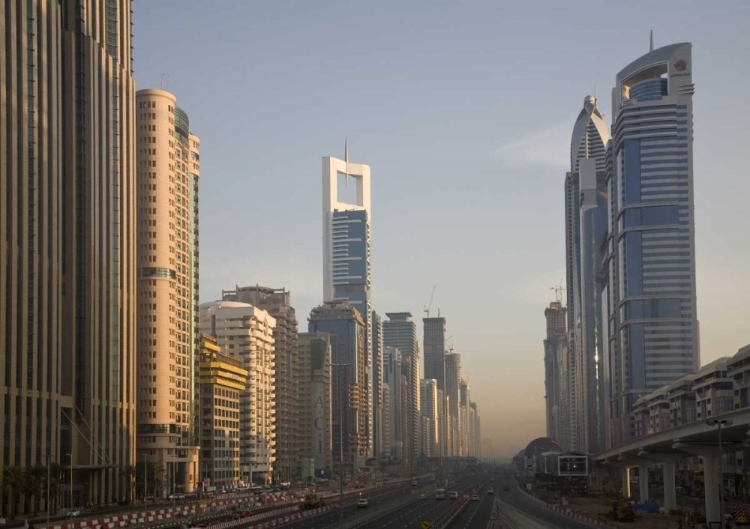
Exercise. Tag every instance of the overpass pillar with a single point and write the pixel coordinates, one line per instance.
(711, 484)
(670, 495)
(626, 482)
(643, 482)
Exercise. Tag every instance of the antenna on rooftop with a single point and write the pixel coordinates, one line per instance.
(651, 42)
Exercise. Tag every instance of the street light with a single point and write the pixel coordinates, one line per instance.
(720, 423)
(341, 447)
(71, 480)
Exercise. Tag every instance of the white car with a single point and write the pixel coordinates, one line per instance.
(362, 503)
(454, 495)
(490, 491)
(475, 497)
(74, 514)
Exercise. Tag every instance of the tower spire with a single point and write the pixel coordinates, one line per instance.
(651, 42)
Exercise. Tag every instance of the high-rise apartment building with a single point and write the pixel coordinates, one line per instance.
(67, 261)
(346, 255)
(429, 411)
(349, 372)
(555, 386)
(652, 337)
(463, 416)
(289, 400)
(167, 168)
(314, 354)
(586, 223)
(222, 379)
(377, 383)
(452, 382)
(400, 331)
(393, 382)
(246, 332)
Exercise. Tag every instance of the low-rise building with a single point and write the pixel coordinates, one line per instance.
(222, 379)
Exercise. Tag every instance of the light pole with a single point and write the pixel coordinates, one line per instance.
(720, 423)
(71, 480)
(341, 443)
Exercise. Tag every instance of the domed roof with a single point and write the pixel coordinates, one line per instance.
(541, 445)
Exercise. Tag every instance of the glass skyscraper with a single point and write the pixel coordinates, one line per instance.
(652, 332)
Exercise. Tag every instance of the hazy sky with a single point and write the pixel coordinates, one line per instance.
(464, 112)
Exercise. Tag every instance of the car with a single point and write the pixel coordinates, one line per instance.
(74, 513)
(415, 484)
(475, 497)
(506, 488)
(492, 480)
(454, 495)
(490, 491)
(363, 503)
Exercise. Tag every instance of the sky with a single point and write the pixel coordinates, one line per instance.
(464, 112)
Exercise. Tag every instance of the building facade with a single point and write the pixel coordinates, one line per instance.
(377, 384)
(168, 168)
(222, 379)
(400, 331)
(289, 400)
(349, 371)
(62, 394)
(429, 411)
(555, 388)
(393, 382)
(347, 256)
(652, 336)
(452, 383)
(246, 333)
(434, 350)
(585, 226)
(314, 354)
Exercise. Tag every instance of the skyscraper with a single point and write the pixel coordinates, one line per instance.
(168, 168)
(68, 254)
(349, 370)
(585, 225)
(377, 383)
(277, 302)
(651, 292)
(399, 331)
(429, 411)
(393, 382)
(555, 347)
(434, 349)
(346, 255)
(314, 357)
(246, 332)
(452, 381)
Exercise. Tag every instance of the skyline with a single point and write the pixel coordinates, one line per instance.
(481, 203)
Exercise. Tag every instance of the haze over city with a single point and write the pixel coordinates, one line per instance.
(464, 115)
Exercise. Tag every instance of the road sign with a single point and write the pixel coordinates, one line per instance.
(426, 525)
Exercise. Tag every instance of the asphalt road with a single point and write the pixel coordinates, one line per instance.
(476, 515)
(376, 500)
(411, 515)
(525, 513)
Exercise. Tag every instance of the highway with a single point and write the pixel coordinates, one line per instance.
(476, 514)
(411, 515)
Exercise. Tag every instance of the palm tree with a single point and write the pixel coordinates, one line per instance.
(130, 473)
(33, 485)
(13, 478)
(54, 486)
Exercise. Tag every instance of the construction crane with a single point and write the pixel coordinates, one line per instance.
(449, 343)
(558, 291)
(427, 308)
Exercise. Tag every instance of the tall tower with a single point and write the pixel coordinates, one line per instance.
(555, 389)
(429, 411)
(400, 331)
(168, 169)
(434, 349)
(346, 253)
(652, 245)
(585, 228)
(452, 393)
(349, 373)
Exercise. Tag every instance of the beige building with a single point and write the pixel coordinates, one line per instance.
(246, 332)
(289, 437)
(168, 168)
(67, 255)
(314, 357)
(222, 379)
